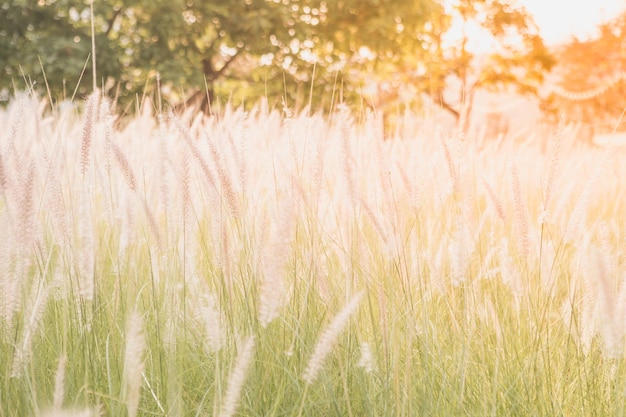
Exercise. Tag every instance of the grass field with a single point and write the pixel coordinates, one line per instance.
(257, 264)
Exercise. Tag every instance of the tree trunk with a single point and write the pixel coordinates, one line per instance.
(204, 99)
(200, 100)
(465, 116)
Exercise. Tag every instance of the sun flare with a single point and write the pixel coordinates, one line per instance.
(559, 20)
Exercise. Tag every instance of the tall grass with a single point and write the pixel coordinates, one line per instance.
(252, 263)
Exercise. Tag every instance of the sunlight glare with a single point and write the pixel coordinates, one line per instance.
(559, 20)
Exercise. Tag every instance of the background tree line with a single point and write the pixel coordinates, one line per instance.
(248, 49)
(590, 80)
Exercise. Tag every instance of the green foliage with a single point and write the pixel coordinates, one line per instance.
(272, 47)
(56, 39)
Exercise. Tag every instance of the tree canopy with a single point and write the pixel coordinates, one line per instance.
(590, 78)
(471, 45)
(268, 47)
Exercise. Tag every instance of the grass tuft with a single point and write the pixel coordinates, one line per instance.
(190, 265)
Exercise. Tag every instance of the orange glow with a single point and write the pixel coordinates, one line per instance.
(559, 20)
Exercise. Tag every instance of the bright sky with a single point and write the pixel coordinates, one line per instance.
(558, 20)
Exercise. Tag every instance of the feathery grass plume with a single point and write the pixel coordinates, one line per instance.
(59, 385)
(579, 214)
(36, 306)
(555, 154)
(88, 125)
(584, 292)
(133, 362)
(185, 185)
(521, 212)
(621, 305)
(106, 115)
(606, 248)
(409, 186)
(226, 183)
(207, 313)
(460, 252)
(26, 210)
(212, 317)
(384, 174)
(195, 152)
(152, 223)
(366, 361)
(55, 200)
(548, 266)
(611, 322)
(452, 168)
(236, 379)
(317, 168)
(86, 260)
(577, 217)
(510, 274)
(11, 266)
(237, 154)
(125, 166)
(274, 259)
(347, 153)
(321, 274)
(15, 128)
(436, 269)
(328, 338)
(377, 225)
(302, 193)
(166, 183)
(187, 249)
(225, 259)
(4, 180)
(291, 141)
(127, 218)
(104, 189)
(272, 294)
(242, 159)
(494, 200)
(10, 295)
(288, 113)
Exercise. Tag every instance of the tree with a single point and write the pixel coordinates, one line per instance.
(350, 41)
(589, 78)
(276, 46)
(187, 42)
(446, 69)
(193, 44)
(197, 43)
(370, 41)
(37, 37)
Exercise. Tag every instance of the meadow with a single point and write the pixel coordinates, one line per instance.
(263, 263)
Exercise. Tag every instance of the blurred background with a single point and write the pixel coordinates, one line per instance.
(494, 65)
